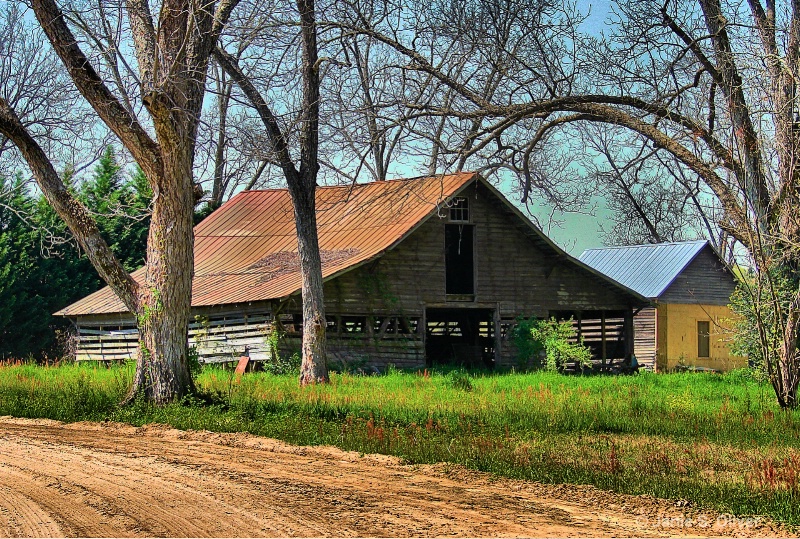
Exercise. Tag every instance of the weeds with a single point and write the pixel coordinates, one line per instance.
(718, 441)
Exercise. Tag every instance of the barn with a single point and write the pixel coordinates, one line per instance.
(417, 272)
(690, 287)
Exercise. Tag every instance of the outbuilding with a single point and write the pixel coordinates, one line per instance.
(690, 287)
(417, 272)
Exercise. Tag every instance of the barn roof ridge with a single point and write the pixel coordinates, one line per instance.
(365, 184)
(645, 245)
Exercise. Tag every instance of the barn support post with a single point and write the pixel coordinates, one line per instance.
(629, 335)
(497, 336)
(423, 331)
(603, 352)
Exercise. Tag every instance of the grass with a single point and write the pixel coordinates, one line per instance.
(718, 441)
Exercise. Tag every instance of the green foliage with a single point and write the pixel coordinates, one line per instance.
(661, 435)
(459, 379)
(761, 303)
(549, 344)
(120, 205)
(39, 273)
(280, 363)
(284, 364)
(41, 268)
(193, 358)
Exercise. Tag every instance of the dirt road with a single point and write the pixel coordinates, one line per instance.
(88, 479)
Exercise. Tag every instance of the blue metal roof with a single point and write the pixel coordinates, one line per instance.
(647, 269)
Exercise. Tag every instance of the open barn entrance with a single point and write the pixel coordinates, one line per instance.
(459, 337)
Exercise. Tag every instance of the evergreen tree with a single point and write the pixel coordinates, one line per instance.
(41, 268)
(38, 275)
(121, 207)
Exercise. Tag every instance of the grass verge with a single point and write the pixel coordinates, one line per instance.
(718, 441)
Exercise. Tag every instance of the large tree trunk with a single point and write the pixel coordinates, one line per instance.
(302, 188)
(162, 372)
(314, 368)
(172, 60)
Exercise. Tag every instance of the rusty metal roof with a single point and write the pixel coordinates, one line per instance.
(247, 249)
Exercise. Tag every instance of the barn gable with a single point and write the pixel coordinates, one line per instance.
(705, 280)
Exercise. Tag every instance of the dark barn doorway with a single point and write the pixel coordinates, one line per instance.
(462, 337)
(459, 259)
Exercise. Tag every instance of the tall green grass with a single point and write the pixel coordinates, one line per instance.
(716, 440)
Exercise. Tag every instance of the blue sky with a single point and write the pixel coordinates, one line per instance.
(576, 232)
(599, 11)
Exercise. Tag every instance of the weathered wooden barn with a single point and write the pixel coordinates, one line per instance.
(417, 272)
(690, 287)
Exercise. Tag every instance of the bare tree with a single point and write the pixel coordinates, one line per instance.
(301, 180)
(172, 52)
(710, 83)
(652, 198)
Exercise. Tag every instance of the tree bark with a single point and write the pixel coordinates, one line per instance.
(162, 372)
(314, 368)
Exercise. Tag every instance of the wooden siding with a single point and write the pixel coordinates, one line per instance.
(511, 271)
(217, 339)
(513, 274)
(705, 281)
(366, 353)
(644, 331)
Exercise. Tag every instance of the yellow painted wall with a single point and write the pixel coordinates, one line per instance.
(676, 332)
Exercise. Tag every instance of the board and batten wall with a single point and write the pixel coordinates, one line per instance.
(515, 275)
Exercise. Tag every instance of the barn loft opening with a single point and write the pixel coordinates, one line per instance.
(459, 242)
(462, 337)
(459, 210)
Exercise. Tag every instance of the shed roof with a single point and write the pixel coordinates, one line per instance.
(247, 250)
(647, 269)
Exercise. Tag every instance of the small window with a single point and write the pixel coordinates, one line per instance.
(459, 210)
(703, 338)
(333, 324)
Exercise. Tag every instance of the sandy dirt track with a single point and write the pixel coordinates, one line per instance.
(89, 479)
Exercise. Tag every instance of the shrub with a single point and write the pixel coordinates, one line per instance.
(459, 379)
(549, 344)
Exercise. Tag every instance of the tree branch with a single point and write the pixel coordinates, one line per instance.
(144, 40)
(70, 210)
(277, 139)
(94, 90)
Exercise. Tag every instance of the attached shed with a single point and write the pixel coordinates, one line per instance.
(417, 272)
(690, 287)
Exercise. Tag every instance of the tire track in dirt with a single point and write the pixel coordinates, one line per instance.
(89, 479)
(21, 516)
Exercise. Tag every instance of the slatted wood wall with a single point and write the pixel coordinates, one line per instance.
(644, 331)
(217, 339)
